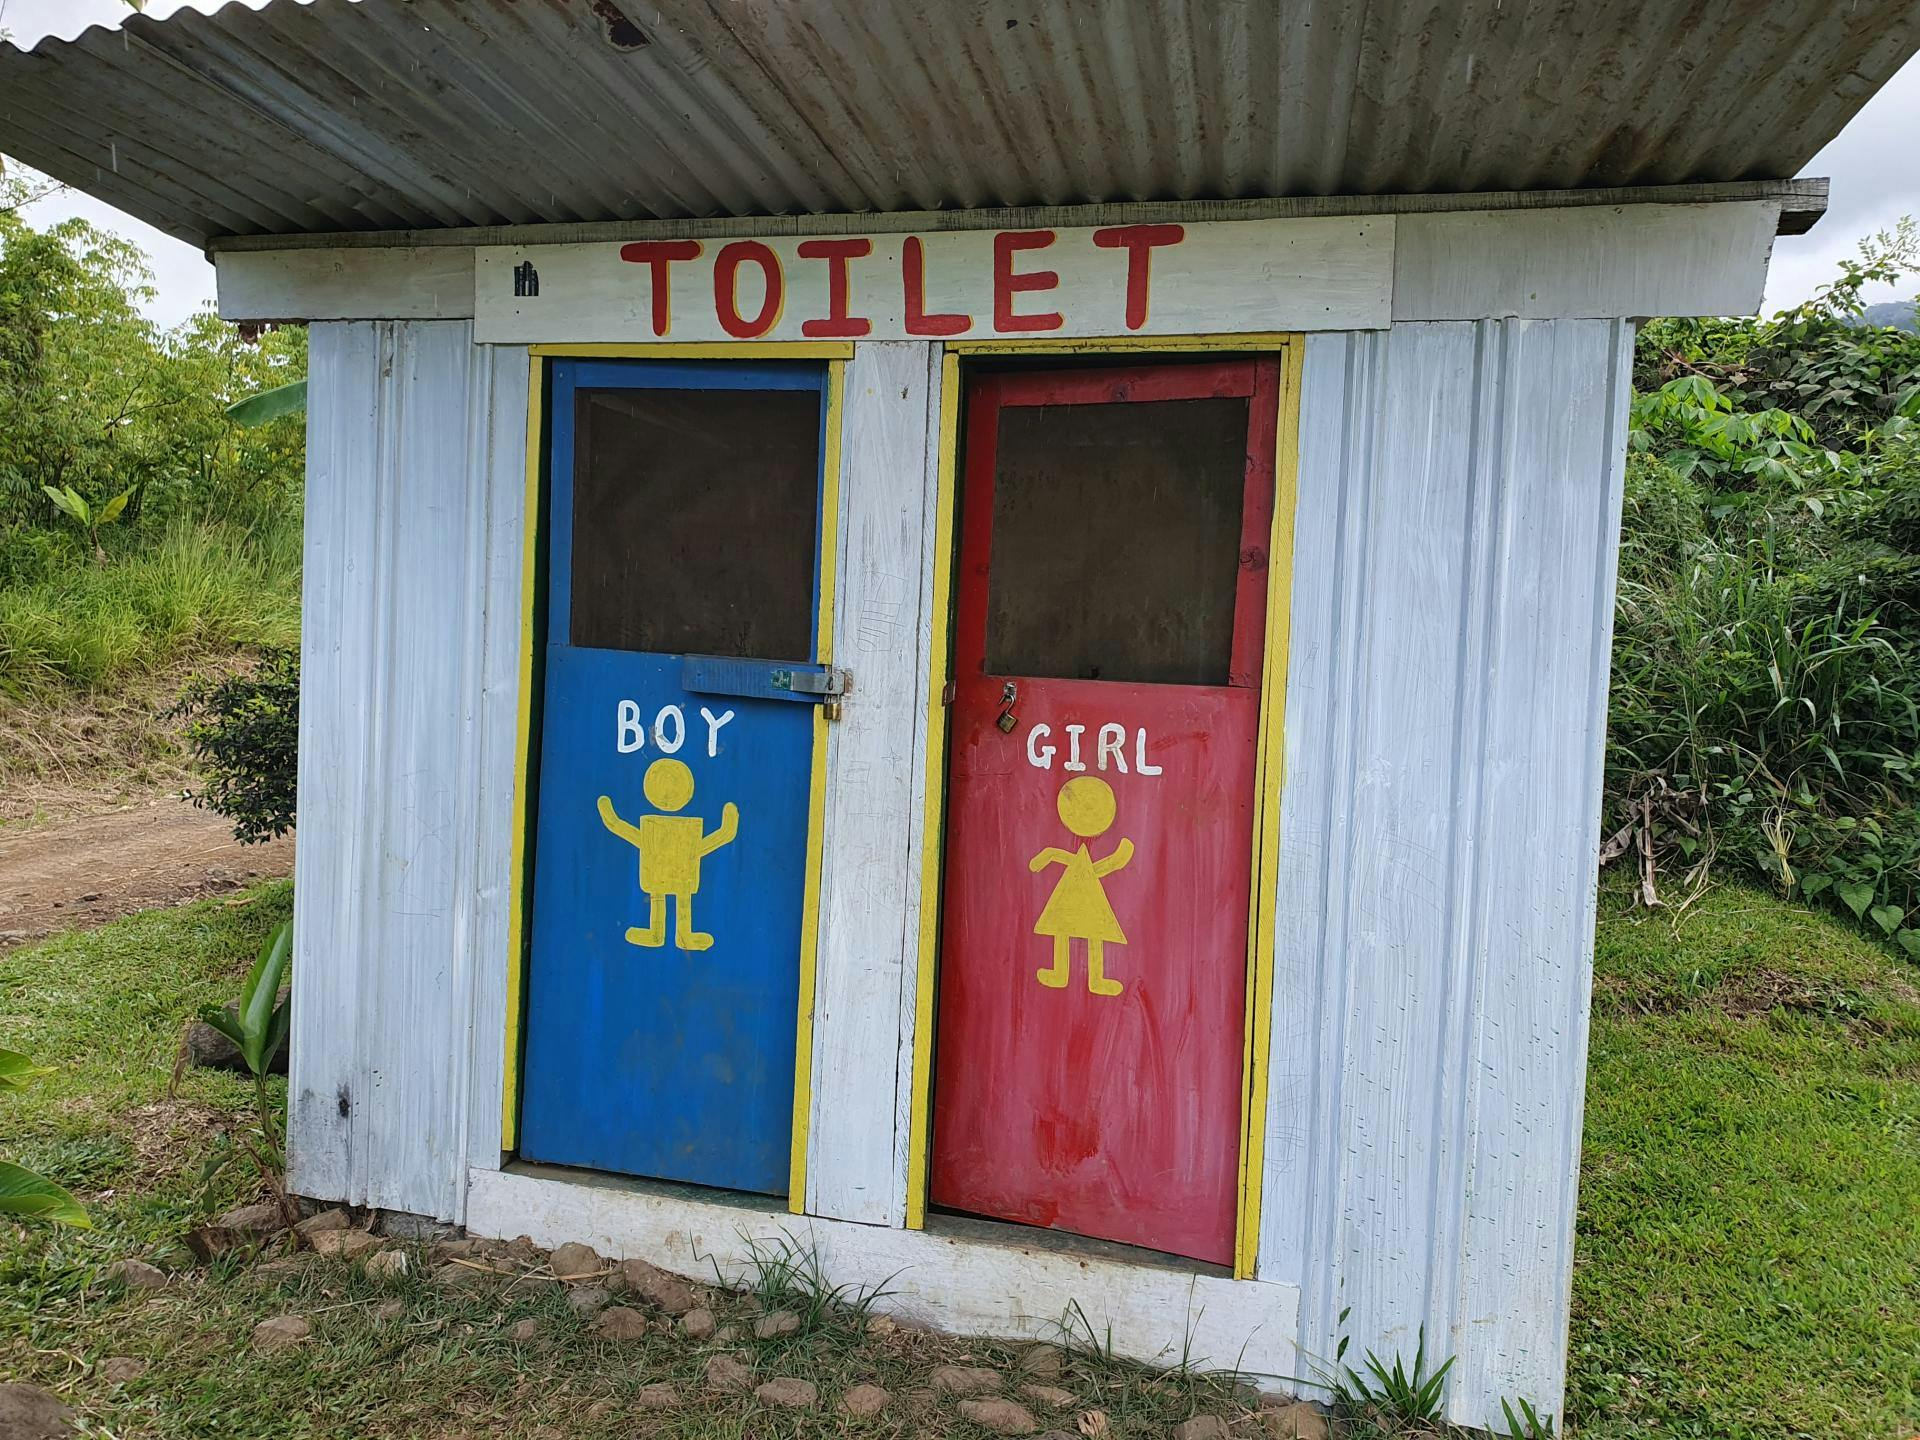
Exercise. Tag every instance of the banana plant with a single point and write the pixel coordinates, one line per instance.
(72, 503)
(258, 1024)
(269, 405)
(21, 1191)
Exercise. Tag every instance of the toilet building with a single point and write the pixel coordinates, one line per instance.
(976, 636)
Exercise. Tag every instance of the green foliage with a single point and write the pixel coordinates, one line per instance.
(1766, 653)
(244, 732)
(21, 1191)
(258, 1024)
(1527, 1423)
(269, 405)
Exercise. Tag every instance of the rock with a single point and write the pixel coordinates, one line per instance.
(1051, 1396)
(963, 1380)
(667, 1292)
(262, 1219)
(1201, 1427)
(657, 1397)
(343, 1244)
(697, 1324)
(29, 1413)
(210, 1050)
(1003, 1417)
(726, 1335)
(726, 1373)
(121, 1370)
(455, 1276)
(281, 1332)
(400, 1225)
(620, 1322)
(776, 1325)
(865, 1400)
(1043, 1362)
(1298, 1421)
(524, 1332)
(388, 1310)
(135, 1275)
(388, 1265)
(587, 1301)
(334, 1219)
(458, 1248)
(576, 1264)
(882, 1325)
(788, 1394)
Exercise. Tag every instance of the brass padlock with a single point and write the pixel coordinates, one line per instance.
(1008, 719)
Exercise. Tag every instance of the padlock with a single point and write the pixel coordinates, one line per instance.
(1008, 719)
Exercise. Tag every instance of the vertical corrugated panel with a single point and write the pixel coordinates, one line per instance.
(1459, 497)
(399, 889)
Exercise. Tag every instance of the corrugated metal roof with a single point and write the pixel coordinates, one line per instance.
(416, 114)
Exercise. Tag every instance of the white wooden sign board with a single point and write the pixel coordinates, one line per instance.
(1210, 277)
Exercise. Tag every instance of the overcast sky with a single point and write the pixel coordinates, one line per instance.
(1874, 165)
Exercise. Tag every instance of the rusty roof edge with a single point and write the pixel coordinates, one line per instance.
(1802, 202)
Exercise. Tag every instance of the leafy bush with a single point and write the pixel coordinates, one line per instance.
(1766, 651)
(245, 731)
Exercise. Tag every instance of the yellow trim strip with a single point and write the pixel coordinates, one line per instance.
(933, 819)
(1107, 345)
(816, 795)
(1269, 767)
(705, 350)
(522, 760)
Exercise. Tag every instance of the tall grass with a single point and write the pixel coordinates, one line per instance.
(203, 587)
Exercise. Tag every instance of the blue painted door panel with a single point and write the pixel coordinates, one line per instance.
(669, 886)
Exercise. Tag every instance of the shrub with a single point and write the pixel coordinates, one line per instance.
(245, 731)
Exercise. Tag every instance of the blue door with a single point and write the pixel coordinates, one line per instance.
(678, 741)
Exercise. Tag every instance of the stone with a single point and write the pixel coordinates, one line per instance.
(29, 1413)
(776, 1325)
(666, 1292)
(210, 1050)
(343, 1244)
(388, 1265)
(1043, 1362)
(882, 1325)
(726, 1373)
(1002, 1417)
(657, 1397)
(281, 1332)
(1051, 1396)
(455, 1276)
(620, 1322)
(963, 1379)
(726, 1335)
(122, 1369)
(524, 1332)
(400, 1225)
(334, 1219)
(136, 1275)
(697, 1324)
(455, 1249)
(389, 1310)
(864, 1400)
(576, 1264)
(1298, 1421)
(1201, 1427)
(788, 1394)
(587, 1301)
(261, 1219)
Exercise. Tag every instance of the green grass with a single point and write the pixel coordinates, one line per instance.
(199, 589)
(1749, 1256)
(1749, 1244)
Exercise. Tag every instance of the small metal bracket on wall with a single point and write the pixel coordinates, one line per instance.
(823, 685)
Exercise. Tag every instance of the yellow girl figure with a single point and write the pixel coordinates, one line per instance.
(1078, 908)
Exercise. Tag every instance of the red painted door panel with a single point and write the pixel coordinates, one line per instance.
(1093, 960)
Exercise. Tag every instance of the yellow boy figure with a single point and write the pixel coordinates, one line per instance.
(1078, 908)
(671, 847)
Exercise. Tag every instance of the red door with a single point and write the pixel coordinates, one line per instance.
(1093, 965)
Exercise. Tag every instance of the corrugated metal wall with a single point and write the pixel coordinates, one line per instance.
(1459, 494)
(1458, 514)
(408, 697)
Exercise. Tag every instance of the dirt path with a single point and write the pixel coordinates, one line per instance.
(75, 874)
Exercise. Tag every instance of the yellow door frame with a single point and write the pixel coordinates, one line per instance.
(1268, 763)
(836, 354)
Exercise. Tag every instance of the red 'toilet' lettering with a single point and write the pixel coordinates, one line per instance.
(913, 270)
(838, 254)
(658, 256)
(1138, 241)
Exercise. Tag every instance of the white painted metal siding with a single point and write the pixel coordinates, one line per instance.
(1459, 501)
(416, 440)
(1459, 495)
